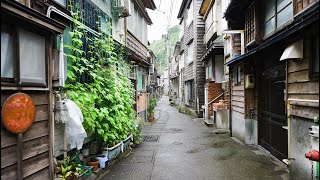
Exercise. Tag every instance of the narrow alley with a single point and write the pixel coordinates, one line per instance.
(179, 147)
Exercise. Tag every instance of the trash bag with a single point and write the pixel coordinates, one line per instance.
(74, 130)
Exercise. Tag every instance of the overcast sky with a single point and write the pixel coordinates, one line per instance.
(160, 19)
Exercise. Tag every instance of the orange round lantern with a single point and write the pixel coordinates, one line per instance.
(18, 113)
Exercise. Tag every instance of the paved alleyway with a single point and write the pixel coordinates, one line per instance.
(186, 149)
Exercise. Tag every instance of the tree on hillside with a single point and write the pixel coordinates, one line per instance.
(159, 47)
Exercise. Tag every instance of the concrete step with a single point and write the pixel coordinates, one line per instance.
(209, 122)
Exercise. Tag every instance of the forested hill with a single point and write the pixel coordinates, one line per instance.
(159, 49)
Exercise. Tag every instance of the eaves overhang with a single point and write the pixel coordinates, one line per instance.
(21, 11)
(311, 16)
(182, 7)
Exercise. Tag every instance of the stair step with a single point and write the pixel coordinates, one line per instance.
(208, 122)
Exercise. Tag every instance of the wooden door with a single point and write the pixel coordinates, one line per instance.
(272, 119)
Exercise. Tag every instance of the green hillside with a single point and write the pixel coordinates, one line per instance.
(158, 47)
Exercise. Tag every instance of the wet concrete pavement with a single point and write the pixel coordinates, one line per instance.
(179, 147)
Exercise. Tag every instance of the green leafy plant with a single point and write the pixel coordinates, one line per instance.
(68, 169)
(137, 134)
(106, 100)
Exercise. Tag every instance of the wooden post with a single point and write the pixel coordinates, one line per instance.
(19, 156)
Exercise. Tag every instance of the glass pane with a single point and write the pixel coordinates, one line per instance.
(7, 56)
(269, 26)
(285, 15)
(62, 2)
(209, 72)
(139, 82)
(32, 58)
(269, 9)
(281, 4)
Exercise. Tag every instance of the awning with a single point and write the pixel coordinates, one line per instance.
(293, 51)
(216, 46)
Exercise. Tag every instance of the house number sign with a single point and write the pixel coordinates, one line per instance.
(18, 113)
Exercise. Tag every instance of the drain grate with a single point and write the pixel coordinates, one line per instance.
(151, 138)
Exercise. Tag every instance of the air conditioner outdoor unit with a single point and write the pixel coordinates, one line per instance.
(121, 8)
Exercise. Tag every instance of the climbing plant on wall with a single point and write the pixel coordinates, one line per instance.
(107, 97)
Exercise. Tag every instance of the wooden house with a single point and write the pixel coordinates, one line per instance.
(274, 77)
(174, 73)
(213, 60)
(192, 48)
(27, 67)
(139, 55)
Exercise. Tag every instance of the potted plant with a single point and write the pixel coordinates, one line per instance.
(151, 115)
(68, 169)
(93, 161)
(137, 135)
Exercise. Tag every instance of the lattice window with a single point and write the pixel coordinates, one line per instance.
(249, 33)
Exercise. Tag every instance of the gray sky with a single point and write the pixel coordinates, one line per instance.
(160, 20)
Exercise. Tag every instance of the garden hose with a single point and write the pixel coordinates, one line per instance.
(86, 170)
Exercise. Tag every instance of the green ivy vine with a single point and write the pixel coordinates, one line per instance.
(107, 100)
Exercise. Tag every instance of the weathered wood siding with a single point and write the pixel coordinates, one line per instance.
(238, 106)
(200, 47)
(35, 142)
(300, 85)
(300, 5)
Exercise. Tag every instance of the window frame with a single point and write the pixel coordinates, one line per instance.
(16, 80)
(190, 55)
(237, 76)
(275, 16)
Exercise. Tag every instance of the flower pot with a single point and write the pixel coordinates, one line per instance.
(95, 164)
(112, 152)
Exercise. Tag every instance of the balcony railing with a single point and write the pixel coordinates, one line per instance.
(210, 32)
(137, 47)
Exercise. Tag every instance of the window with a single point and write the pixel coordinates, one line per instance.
(62, 2)
(188, 92)
(7, 54)
(314, 56)
(190, 53)
(209, 72)
(277, 13)
(237, 76)
(141, 82)
(23, 56)
(190, 14)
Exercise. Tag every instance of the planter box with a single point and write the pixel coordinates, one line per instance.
(112, 152)
(126, 143)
